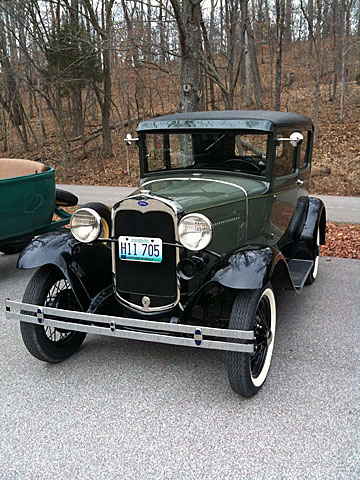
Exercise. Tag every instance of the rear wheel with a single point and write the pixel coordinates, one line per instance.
(49, 287)
(252, 310)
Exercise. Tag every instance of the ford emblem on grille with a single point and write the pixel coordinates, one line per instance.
(142, 203)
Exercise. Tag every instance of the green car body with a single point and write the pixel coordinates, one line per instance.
(223, 195)
(222, 217)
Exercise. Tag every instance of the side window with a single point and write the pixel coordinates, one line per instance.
(285, 159)
(303, 150)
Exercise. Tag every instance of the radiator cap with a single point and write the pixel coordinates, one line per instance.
(146, 302)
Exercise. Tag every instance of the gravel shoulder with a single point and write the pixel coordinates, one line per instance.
(127, 409)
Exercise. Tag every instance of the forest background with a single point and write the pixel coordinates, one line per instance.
(77, 75)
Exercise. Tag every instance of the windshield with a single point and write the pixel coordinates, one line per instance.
(238, 151)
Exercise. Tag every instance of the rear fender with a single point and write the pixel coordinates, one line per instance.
(87, 267)
(304, 246)
(253, 268)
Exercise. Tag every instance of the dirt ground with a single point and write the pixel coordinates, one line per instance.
(336, 159)
(342, 240)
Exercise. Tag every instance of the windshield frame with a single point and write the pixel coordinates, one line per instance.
(144, 171)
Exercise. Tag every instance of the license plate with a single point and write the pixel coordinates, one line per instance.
(140, 249)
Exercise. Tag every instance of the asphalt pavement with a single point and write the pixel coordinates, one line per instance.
(123, 409)
(342, 209)
(98, 193)
(338, 209)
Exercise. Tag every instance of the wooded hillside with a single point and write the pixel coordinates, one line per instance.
(77, 75)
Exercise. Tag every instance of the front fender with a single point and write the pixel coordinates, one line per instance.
(87, 267)
(253, 268)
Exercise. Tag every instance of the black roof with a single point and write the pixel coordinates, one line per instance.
(229, 119)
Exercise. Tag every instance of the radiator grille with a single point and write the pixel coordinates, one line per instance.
(137, 279)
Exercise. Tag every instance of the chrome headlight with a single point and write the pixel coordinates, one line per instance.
(195, 231)
(85, 225)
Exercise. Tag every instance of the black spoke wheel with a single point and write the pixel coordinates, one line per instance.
(252, 310)
(48, 287)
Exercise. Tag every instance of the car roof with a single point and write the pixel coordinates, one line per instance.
(263, 120)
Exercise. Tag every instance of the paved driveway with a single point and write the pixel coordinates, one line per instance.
(131, 410)
(342, 209)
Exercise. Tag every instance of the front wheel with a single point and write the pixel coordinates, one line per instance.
(49, 287)
(252, 310)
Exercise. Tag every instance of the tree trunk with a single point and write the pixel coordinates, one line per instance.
(248, 96)
(210, 60)
(134, 58)
(254, 67)
(278, 62)
(288, 22)
(311, 26)
(251, 62)
(104, 33)
(106, 107)
(342, 39)
(76, 100)
(40, 112)
(5, 130)
(77, 112)
(188, 16)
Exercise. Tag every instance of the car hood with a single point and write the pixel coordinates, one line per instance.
(201, 191)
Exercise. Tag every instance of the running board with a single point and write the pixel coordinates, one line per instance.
(132, 328)
(299, 271)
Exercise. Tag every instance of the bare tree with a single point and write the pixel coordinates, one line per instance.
(148, 50)
(252, 53)
(315, 40)
(187, 15)
(288, 21)
(104, 28)
(280, 9)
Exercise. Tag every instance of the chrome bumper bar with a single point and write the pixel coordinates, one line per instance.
(131, 328)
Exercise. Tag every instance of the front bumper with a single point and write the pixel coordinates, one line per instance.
(131, 328)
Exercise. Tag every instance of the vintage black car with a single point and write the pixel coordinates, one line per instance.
(222, 217)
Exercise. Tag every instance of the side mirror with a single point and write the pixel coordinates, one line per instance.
(128, 139)
(296, 138)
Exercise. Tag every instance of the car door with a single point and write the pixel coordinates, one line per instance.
(285, 184)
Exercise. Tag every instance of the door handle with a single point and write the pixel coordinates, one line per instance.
(299, 182)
